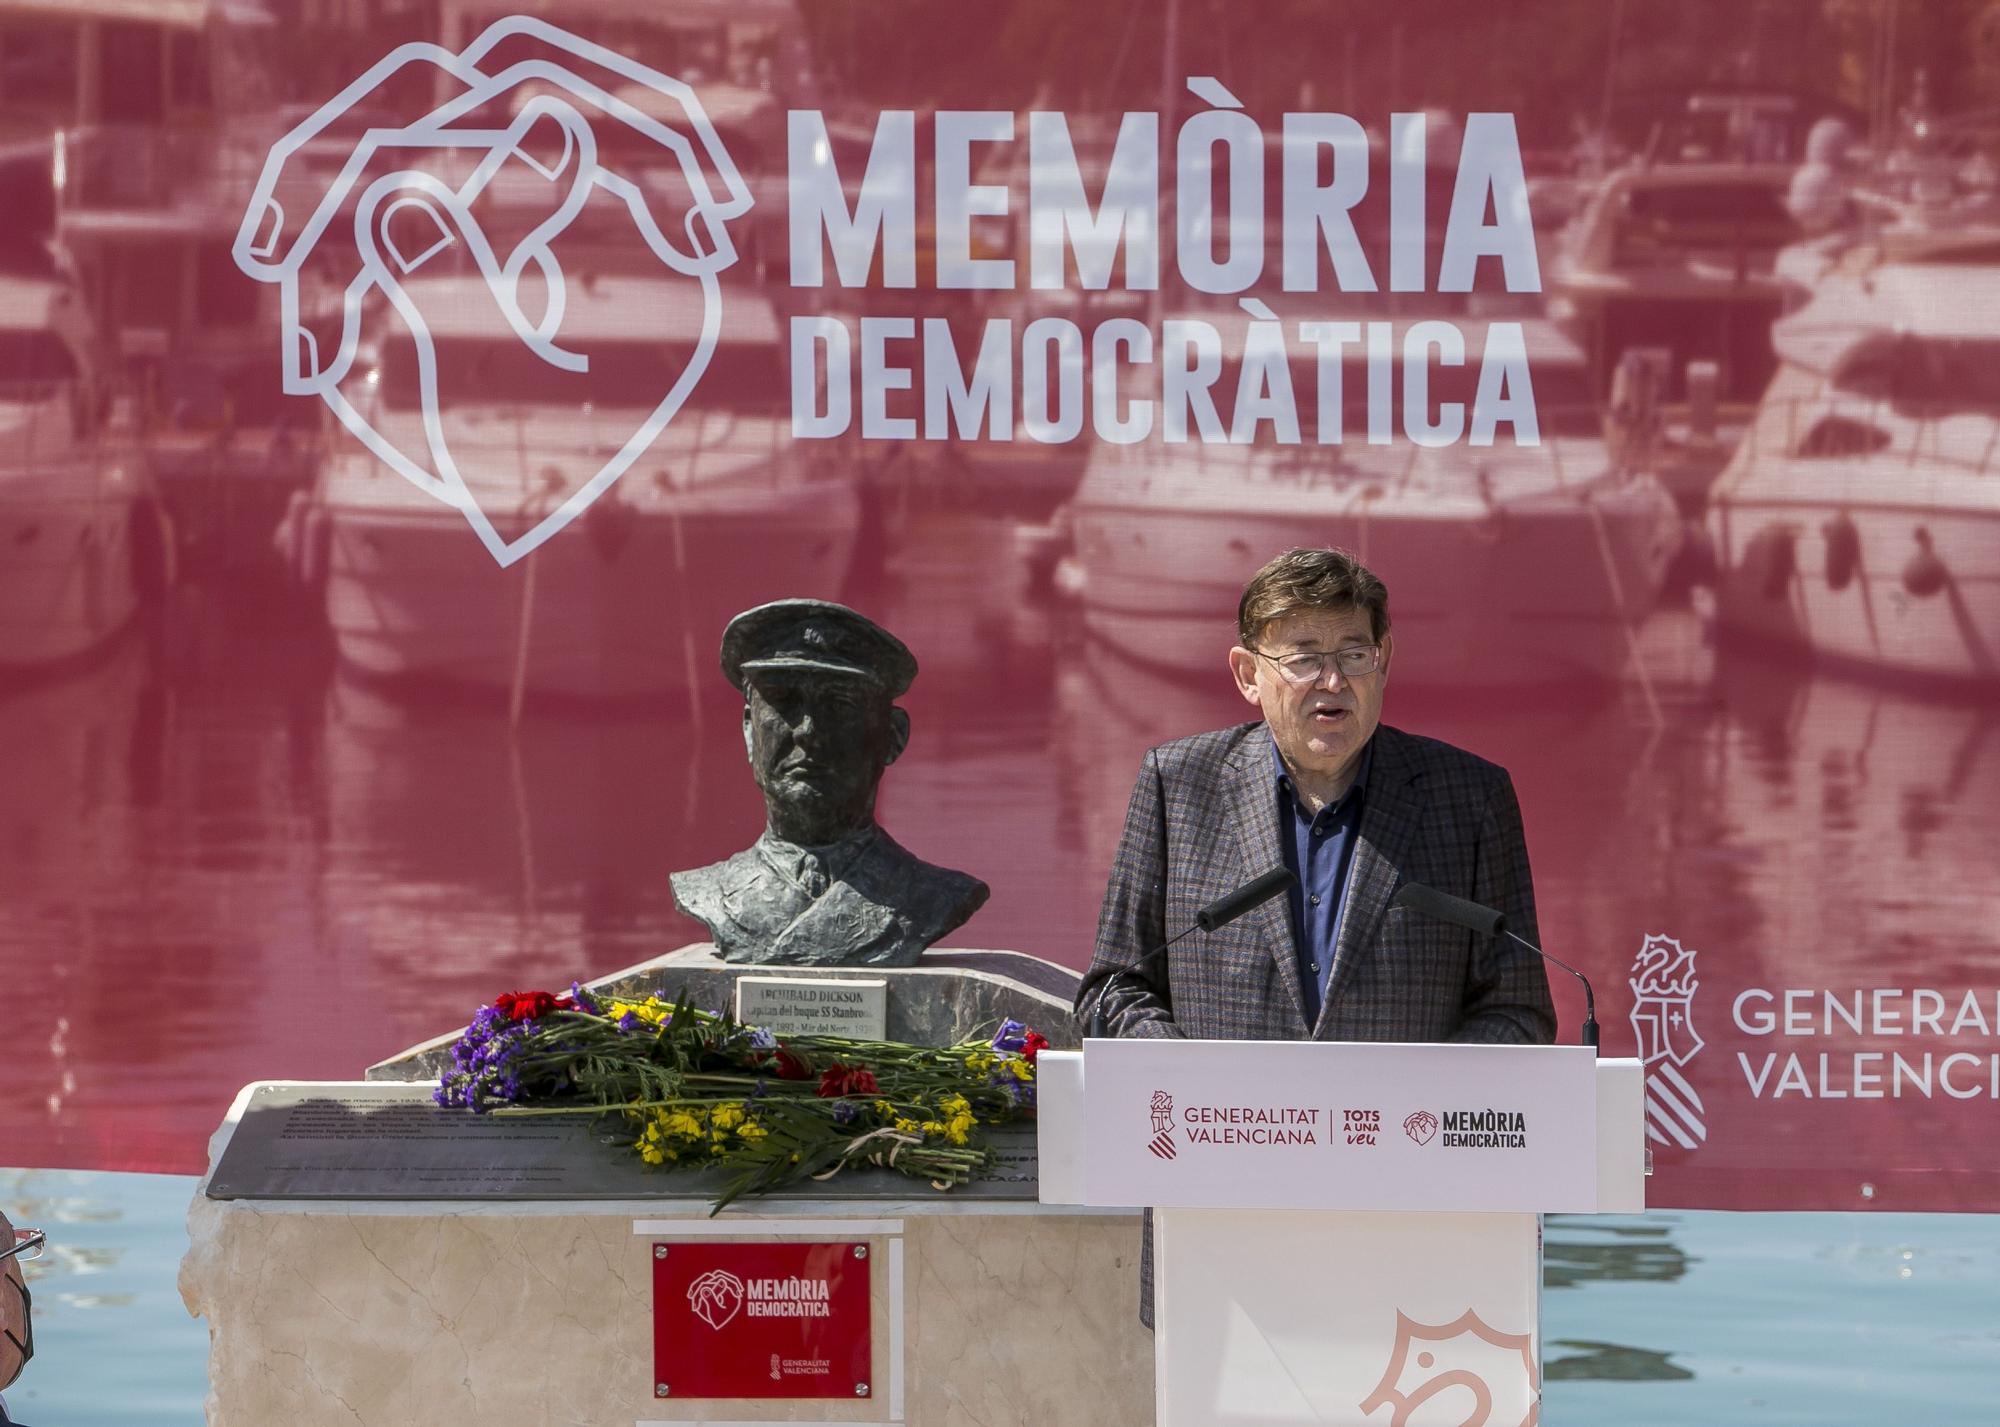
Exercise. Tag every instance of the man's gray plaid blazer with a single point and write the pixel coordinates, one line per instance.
(1204, 820)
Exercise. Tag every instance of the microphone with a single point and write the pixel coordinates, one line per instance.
(1251, 895)
(1219, 913)
(1476, 917)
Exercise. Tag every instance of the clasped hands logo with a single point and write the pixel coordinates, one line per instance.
(529, 127)
(716, 1297)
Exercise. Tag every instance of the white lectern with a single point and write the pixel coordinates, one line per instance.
(1344, 1233)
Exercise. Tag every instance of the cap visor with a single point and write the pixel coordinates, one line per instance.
(753, 667)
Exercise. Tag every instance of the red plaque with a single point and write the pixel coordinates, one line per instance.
(761, 1320)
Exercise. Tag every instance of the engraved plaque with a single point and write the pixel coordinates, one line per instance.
(854, 1007)
(389, 1141)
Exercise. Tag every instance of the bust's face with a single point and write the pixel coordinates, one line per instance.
(818, 744)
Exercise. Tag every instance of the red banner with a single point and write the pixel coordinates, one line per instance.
(761, 1320)
(398, 400)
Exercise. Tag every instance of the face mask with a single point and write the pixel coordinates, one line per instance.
(25, 1345)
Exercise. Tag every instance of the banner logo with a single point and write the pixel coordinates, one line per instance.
(1420, 1125)
(552, 82)
(1453, 1362)
(1162, 1143)
(1663, 987)
(716, 1297)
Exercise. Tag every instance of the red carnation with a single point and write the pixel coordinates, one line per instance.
(790, 1067)
(840, 1080)
(1032, 1042)
(531, 1005)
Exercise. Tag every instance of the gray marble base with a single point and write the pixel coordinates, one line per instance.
(944, 998)
(364, 1313)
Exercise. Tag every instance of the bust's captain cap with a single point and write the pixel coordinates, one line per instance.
(814, 636)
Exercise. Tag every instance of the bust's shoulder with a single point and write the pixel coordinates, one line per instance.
(706, 886)
(887, 864)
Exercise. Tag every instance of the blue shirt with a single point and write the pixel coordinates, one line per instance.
(1318, 848)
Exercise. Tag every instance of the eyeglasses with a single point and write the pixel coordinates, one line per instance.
(27, 1245)
(1356, 661)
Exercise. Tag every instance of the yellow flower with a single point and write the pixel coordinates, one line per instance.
(727, 1117)
(652, 1011)
(908, 1127)
(932, 1127)
(752, 1131)
(681, 1123)
(652, 1153)
(883, 1107)
(1020, 1069)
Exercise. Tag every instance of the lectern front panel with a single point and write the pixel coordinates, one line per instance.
(1303, 1125)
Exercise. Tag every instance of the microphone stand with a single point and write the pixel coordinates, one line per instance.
(1223, 910)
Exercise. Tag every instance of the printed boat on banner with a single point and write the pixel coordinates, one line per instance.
(70, 483)
(159, 116)
(1507, 564)
(1857, 521)
(721, 512)
(1678, 257)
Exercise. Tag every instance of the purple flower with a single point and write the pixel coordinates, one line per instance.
(630, 1022)
(757, 1090)
(846, 1112)
(761, 1039)
(1012, 1036)
(584, 1000)
(482, 1072)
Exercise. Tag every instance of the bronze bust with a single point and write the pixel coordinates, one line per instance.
(824, 885)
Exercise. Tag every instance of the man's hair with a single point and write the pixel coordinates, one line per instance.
(1302, 579)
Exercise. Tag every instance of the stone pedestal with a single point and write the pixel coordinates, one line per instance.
(345, 1313)
(987, 1310)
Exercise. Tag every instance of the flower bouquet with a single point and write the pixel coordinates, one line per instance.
(685, 1087)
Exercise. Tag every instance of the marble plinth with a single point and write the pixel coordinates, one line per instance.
(354, 1314)
(944, 998)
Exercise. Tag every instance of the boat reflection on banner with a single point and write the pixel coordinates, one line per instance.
(1834, 882)
(458, 847)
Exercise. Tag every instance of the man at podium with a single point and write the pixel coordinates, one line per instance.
(1354, 808)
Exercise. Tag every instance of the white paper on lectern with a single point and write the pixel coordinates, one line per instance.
(1306, 1125)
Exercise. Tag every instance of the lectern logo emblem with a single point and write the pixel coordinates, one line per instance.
(716, 1297)
(1466, 1356)
(1421, 1126)
(1663, 987)
(1162, 1143)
